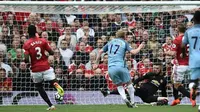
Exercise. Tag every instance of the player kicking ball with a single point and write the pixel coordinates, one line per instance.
(35, 48)
(117, 68)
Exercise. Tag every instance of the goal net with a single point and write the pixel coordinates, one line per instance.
(76, 31)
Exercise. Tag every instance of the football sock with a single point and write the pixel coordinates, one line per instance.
(44, 96)
(184, 91)
(175, 93)
(59, 88)
(121, 92)
(131, 91)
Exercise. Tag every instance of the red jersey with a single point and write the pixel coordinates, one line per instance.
(167, 47)
(36, 48)
(7, 83)
(110, 84)
(177, 47)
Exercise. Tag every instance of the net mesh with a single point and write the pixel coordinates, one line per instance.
(85, 28)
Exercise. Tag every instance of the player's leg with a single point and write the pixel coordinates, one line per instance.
(115, 75)
(49, 75)
(179, 74)
(176, 97)
(38, 79)
(131, 90)
(193, 86)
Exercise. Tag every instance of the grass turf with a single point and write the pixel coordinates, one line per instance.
(99, 108)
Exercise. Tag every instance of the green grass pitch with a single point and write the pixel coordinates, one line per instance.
(99, 108)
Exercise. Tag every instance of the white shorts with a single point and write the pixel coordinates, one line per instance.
(47, 75)
(179, 72)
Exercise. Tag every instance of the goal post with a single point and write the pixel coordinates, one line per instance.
(93, 24)
(103, 7)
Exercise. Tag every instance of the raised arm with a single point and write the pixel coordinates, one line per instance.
(135, 51)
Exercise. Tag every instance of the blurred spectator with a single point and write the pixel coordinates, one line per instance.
(13, 51)
(18, 58)
(168, 45)
(94, 20)
(23, 81)
(72, 40)
(89, 43)
(92, 59)
(85, 30)
(53, 46)
(159, 57)
(97, 81)
(5, 38)
(9, 71)
(5, 82)
(99, 46)
(60, 77)
(78, 82)
(146, 67)
(67, 18)
(52, 33)
(65, 52)
(58, 61)
(104, 29)
(172, 28)
(130, 20)
(158, 29)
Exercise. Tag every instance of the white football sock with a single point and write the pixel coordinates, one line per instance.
(131, 91)
(121, 92)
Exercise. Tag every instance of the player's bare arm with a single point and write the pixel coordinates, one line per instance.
(183, 46)
(99, 56)
(135, 51)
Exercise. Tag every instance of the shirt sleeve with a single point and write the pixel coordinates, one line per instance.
(105, 48)
(128, 48)
(185, 38)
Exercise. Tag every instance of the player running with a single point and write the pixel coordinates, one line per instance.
(117, 68)
(192, 37)
(35, 48)
(154, 81)
(180, 68)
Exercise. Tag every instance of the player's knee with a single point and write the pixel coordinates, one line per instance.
(193, 84)
(52, 82)
(38, 85)
(177, 85)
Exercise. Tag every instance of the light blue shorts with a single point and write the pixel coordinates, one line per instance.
(119, 74)
(195, 73)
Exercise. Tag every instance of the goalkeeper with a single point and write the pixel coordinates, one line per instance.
(153, 81)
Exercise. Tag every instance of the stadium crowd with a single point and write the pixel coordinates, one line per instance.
(76, 40)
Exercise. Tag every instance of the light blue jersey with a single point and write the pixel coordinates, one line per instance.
(116, 52)
(192, 37)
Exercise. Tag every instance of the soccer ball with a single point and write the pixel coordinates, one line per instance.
(58, 97)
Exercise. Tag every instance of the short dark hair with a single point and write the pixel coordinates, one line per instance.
(197, 16)
(32, 30)
(181, 28)
(2, 69)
